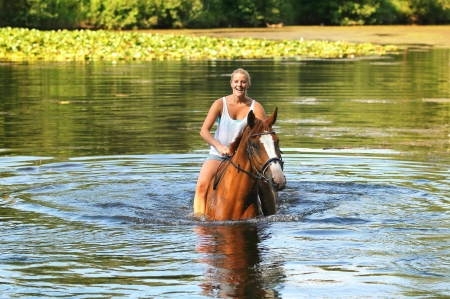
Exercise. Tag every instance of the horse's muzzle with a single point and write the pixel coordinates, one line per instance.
(277, 184)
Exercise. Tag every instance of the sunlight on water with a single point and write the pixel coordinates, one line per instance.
(136, 209)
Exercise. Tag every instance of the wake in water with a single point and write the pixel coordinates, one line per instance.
(121, 198)
(94, 212)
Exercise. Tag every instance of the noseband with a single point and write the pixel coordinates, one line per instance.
(260, 174)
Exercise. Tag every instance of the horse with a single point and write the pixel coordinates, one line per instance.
(246, 183)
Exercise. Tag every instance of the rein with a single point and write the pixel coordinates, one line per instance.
(221, 171)
(260, 175)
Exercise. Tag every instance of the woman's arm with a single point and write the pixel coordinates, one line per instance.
(213, 113)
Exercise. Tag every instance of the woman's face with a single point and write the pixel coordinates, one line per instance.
(239, 85)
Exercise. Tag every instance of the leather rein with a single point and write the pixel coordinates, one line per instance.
(260, 174)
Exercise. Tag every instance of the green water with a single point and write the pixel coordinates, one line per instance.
(98, 165)
(69, 109)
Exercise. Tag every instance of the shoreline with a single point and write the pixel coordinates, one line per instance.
(437, 36)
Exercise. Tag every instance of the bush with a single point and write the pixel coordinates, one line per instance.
(363, 12)
(427, 11)
(346, 12)
(354, 13)
(168, 13)
(145, 14)
(43, 14)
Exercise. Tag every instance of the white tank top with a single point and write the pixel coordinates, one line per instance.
(228, 129)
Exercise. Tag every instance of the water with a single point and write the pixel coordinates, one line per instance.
(98, 165)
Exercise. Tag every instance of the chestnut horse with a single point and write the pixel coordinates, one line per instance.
(246, 183)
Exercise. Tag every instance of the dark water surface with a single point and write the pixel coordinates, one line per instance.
(98, 165)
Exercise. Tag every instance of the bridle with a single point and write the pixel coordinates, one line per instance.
(260, 173)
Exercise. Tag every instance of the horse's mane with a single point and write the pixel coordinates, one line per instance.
(259, 126)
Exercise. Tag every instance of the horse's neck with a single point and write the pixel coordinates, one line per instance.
(236, 194)
(244, 166)
(241, 155)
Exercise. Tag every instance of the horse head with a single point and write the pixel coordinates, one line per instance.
(263, 150)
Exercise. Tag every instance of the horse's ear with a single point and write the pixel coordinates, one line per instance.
(273, 118)
(251, 119)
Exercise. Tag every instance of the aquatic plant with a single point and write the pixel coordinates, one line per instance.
(19, 44)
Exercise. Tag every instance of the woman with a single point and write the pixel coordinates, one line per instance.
(231, 112)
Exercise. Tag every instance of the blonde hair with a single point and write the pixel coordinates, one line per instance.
(243, 72)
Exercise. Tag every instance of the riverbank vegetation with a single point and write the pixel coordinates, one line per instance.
(19, 44)
(164, 14)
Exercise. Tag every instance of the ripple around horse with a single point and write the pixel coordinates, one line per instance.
(246, 184)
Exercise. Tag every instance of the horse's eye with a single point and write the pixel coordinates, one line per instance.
(255, 145)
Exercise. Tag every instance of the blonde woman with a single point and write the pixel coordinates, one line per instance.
(231, 113)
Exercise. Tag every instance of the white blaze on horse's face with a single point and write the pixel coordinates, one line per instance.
(277, 172)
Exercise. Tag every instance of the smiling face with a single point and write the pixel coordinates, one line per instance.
(240, 81)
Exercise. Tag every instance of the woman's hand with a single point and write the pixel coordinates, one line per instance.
(223, 150)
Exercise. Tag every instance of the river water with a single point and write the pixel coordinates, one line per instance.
(98, 165)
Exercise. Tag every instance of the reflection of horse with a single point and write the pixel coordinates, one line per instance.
(244, 190)
(233, 256)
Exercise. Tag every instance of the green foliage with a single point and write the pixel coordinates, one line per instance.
(388, 12)
(425, 11)
(363, 12)
(146, 14)
(42, 13)
(355, 13)
(113, 14)
(345, 12)
(143, 14)
(168, 13)
(81, 45)
(237, 13)
(12, 12)
(250, 13)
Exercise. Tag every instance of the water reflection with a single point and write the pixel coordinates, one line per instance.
(234, 259)
(71, 109)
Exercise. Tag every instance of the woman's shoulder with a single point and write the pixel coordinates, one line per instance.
(259, 110)
(217, 105)
(218, 102)
(257, 104)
